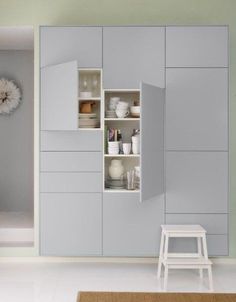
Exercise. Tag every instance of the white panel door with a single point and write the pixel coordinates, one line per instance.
(59, 97)
(197, 182)
(61, 44)
(71, 224)
(152, 141)
(131, 228)
(197, 109)
(133, 54)
(197, 46)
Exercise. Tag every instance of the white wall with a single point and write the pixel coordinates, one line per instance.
(16, 135)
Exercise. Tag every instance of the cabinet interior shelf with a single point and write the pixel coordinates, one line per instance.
(121, 191)
(122, 119)
(122, 155)
(90, 99)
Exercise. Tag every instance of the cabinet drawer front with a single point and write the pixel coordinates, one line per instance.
(197, 46)
(131, 228)
(217, 245)
(213, 223)
(71, 182)
(71, 224)
(197, 182)
(71, 161)
(71, 140)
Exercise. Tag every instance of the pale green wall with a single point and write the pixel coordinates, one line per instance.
(125, 12)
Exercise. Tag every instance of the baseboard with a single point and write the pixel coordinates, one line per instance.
(98, 260)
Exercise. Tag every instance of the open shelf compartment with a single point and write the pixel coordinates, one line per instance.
(89, 98)
(129, 164)
(130, 96)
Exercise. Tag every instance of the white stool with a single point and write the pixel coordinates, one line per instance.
(197, 260)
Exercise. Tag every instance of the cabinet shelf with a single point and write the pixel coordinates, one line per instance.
(122, 119)
(121, 191)
(122, 155)
(89, 99)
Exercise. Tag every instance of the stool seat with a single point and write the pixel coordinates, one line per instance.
(184, 228)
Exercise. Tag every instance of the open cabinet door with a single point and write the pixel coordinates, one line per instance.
(59, 97)
(152, 141)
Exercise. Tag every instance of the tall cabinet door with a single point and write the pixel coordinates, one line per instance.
(59, 93)
(152, 141)
(132, 54)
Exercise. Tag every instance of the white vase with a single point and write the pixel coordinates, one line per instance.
(116, 169)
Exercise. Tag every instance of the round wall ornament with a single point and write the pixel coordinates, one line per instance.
(10, 96)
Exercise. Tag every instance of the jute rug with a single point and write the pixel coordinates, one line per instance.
(153, 297)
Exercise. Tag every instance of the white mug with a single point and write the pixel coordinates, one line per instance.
(126, 148)
(122, 105)
(121, 113)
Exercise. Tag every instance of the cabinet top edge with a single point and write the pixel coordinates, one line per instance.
(137, 25)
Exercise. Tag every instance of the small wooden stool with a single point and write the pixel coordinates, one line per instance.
(197, 260)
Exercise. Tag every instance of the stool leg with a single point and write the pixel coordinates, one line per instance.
(205, 253)
(166, 247)
(160, 256)
(210, 278)
(199, 250)
(165, 277)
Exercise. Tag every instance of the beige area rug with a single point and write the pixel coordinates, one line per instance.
(153, 297)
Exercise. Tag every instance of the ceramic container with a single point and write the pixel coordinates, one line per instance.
(135, 111)
(136, 144)
(116, 169)
(121, 113)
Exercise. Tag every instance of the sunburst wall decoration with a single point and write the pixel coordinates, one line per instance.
(10, 96)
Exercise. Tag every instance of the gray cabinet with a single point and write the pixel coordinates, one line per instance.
(197, 132)
(131, 228)
(197, 109)
(78, 217)
(71, 224)
(68, 43)
(59, 97)
(196, 182)
(197, 46)
(133, 54)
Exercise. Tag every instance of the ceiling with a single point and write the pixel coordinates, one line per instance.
(16, 38)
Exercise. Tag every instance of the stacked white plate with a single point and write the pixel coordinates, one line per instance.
(88, 120)
(111, 114)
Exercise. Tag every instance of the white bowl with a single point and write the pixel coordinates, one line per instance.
(135, 111)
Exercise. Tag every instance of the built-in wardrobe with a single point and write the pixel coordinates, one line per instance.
(179, 76)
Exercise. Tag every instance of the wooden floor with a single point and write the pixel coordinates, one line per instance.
(153, 297)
